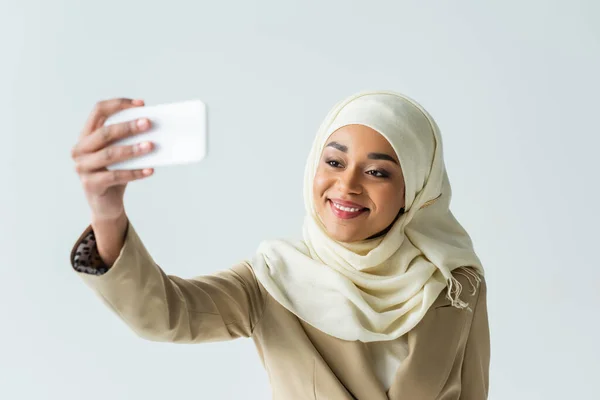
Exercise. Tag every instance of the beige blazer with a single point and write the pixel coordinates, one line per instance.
(449, 350)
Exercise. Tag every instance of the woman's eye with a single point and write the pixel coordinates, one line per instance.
(378, 174)
(333, 163)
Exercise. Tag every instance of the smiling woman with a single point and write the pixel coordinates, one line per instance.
(381, 249)
(358, 187)
(368, 305)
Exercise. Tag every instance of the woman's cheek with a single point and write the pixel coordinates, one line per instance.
(388, 203)
(319, 185)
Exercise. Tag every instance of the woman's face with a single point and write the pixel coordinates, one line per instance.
(358, 188)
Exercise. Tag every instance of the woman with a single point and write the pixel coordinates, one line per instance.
(369, 305)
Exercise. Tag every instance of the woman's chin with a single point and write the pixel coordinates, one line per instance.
(344, 234)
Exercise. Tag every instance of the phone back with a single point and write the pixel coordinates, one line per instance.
(178, 131)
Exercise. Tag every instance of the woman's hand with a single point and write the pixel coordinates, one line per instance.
(93, 152)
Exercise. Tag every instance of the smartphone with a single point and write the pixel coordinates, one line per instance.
(178, 132)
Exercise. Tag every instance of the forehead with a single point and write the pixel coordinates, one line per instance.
(362, 138)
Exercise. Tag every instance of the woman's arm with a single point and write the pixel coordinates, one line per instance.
(476, 360)
(161, 307)
(110, 236)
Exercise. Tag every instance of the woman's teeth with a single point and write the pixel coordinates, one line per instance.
(347, 209)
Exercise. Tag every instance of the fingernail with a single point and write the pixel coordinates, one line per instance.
(145, 145)
(142, 123)
(137, 102)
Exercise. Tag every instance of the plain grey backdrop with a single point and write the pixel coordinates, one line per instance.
(513, 85)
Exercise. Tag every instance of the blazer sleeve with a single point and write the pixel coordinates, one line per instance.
(476, 359)
(166, 308)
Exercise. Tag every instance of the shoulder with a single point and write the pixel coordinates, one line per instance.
(471, 286)
(247, 277)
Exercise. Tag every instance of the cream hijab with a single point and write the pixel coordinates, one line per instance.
(376, 289)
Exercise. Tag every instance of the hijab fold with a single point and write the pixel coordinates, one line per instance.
(376, 289)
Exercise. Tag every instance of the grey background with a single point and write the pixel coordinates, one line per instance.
(513, 85)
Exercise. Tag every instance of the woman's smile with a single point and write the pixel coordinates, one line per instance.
(346, 210)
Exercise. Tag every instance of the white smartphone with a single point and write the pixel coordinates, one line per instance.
(178, 132)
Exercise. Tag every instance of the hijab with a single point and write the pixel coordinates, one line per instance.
(379, 288)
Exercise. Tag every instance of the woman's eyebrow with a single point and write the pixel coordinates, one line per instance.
(338, 146)
(371, 156)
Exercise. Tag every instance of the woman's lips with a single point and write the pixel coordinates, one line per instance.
(345, 213)
(346, 203)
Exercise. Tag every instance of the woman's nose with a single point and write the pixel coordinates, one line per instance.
(350, 182)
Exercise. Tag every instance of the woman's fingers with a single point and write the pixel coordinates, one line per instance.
(104, 109)
(98, 182)
(106, 135)
(95, 150)
(110, 155)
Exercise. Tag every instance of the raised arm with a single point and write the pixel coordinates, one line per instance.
(166, 308)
